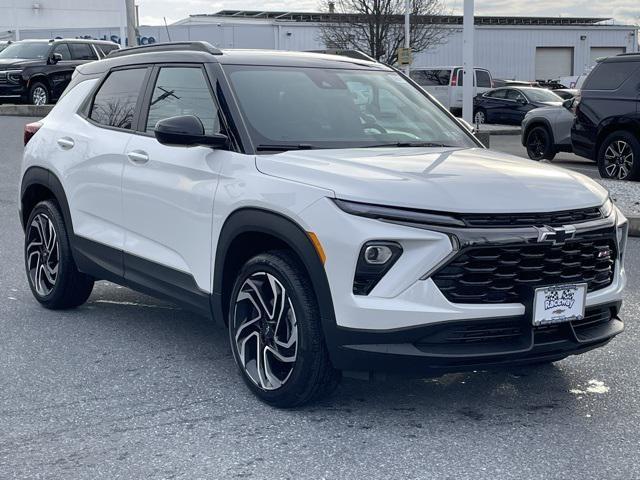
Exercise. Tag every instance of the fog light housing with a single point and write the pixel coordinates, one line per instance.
(375, 260)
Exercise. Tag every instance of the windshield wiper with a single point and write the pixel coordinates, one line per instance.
(283, 147)
(408, 144)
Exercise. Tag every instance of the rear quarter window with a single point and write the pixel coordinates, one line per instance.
(115, 102)
(610, 75)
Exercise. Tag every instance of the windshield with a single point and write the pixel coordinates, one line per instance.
(29, 50)
(542, 95)
(295, 107)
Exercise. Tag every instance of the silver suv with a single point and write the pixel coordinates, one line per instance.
(547, 131)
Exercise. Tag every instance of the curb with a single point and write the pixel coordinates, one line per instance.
(634, 226)
(25, 110)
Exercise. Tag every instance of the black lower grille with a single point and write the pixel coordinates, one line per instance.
(502, 274)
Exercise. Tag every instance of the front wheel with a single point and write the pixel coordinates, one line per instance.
(619, 157)
(39, 94)
(275, 332)
(539, 144)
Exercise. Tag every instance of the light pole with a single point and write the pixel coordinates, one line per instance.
(468, 27)
(407, 31)
(131, 23)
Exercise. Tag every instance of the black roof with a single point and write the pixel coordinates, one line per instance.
(203, 52)
(437, 19)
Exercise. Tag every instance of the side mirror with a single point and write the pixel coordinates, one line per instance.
(568, 103)
(468, 126)
(522, 101)
(187, 131)
(55, 58)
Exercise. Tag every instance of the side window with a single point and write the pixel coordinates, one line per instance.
(483, 79)
(115, 103)
(82, 51)
(183, 91)
(515, 95)
(63, 49)
(461, 78)
(610, 75)
(497, 93)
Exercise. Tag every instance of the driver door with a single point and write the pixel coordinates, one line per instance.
(168, 191)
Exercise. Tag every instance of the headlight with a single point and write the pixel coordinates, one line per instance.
(398, 214)
(622, 232)
(14, 76)
(607, 208)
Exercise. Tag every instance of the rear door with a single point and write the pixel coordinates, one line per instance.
(436, 82)
(168, 191)
(494, 104)
(94, 179)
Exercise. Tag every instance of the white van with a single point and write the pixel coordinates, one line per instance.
(445, 83)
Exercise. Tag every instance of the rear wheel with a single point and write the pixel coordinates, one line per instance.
(53, 276)
(480, 116)
(539, 144)
(619, 157)
(275, 332)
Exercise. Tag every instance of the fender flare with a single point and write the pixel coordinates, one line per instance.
(536, 122)
(46, 178)
(289, 232)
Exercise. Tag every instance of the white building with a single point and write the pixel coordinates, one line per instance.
(23, 16)
(524, 48)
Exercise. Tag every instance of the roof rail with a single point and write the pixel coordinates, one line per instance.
(167, 47)
(355, 54)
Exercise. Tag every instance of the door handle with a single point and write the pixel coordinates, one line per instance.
(66, 143)
(138, 157)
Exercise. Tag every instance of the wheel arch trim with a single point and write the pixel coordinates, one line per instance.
(263, 221)
(46, 178)
(538, 122)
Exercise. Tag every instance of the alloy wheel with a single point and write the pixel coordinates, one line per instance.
(479, 118)
(39, 96)
(43, 254)
(265, 331)
(536, 144)
(618, 159)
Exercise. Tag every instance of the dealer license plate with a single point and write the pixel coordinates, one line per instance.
(559, 303)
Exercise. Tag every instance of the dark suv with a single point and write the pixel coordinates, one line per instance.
(607, 125)
(38, 71)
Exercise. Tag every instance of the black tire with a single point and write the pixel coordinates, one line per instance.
(540, 144)
(619, 156)
(480, 116)
(39, 94)
(310, 375)
(70, 288)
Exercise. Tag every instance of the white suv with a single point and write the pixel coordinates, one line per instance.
(326, 210)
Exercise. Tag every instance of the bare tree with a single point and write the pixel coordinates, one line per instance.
(376, 27)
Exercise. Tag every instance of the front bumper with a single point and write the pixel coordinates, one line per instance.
(10, 90)
(472, 344)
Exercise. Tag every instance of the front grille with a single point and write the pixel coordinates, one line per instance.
(3, 77)
(503, 274)
(551, 219)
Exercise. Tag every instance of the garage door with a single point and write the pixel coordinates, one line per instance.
(597, 52)
(553, 62)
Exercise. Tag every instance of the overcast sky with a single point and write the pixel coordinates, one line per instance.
(627, 11)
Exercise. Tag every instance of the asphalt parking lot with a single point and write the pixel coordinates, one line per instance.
(129, 387)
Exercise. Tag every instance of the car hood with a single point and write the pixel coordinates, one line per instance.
(457, 180)
(9, 63)
(548, 104)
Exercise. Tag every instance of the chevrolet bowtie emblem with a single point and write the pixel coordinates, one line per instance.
(556, 235)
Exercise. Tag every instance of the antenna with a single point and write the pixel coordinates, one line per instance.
(167, 28)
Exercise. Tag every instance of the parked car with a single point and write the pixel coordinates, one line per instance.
(509, 105)
(445, 84)
(567, 93)
(547, 131)
(323, 209)
(607, 126)
(38, 71)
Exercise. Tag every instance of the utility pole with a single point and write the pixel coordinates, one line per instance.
(468, 27)
(131, 23)
(407, 31)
